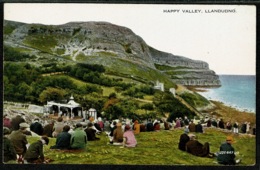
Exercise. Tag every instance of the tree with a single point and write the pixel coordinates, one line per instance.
(52, 94)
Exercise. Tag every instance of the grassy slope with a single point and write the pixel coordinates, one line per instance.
(154, 148)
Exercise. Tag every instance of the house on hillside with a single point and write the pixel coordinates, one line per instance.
(159, 86)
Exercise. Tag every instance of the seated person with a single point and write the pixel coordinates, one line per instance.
(226, 155)
(63, 139)
(184, 138)
(78, 139)
(196, 148)
(118, 134)
(8, 147)
(129, 137)
(91, 132)
(35, 154)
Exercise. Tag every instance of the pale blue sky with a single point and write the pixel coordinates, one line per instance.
(227, 41)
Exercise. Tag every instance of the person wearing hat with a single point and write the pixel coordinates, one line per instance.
(91, 132)
(35, 154)
(226, 154)
(129, 137)
(78, 139)
(184, 138)
(8, 147)
(19, 140)
(63, 139)
(118, 134)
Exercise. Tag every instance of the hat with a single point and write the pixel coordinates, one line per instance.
(127, 127)
(23, 125)
(230, 139)
(6, 131)
(46, 139)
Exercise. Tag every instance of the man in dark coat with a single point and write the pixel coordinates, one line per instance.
(8, 147)
(35, 153)
(221, 124)
(226, 155)
(91, 133)
(63, 139)
(199, 128)
(184, 138)
(149, 126)
(36, 127)
(196, 148)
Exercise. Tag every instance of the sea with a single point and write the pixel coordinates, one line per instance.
(238, 91)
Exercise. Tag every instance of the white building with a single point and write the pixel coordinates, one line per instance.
(159, 86)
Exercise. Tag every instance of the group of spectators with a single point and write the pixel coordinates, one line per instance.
(189, 142)
(75, 135)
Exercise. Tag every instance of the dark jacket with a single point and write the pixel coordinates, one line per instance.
(221, 124)
(9, 151)
(91, 134)
(36, 128)
(196, 148)
(226, 154)
(62, 141)
(149, 127)
(34, 152)
(199, 128)
(184, 138)
(19, 141)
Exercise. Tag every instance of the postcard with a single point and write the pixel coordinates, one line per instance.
(129, 84)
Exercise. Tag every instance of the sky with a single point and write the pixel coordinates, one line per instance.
(224, 36)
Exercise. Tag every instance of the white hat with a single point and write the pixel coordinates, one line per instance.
(24, 125)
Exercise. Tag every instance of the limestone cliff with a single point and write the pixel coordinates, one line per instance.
(80, 40)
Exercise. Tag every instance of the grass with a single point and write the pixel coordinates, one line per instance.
(153, 148)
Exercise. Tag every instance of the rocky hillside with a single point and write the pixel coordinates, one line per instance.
(101, 41)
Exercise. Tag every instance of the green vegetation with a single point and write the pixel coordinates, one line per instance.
(194, 99)
(8, 29)
(16, 54)
(41, 42)
(153, 148)
(90, 87)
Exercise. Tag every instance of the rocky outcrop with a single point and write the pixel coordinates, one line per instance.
(186, 71)
(105, 39)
